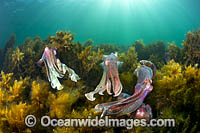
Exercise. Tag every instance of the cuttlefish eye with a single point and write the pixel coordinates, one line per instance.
(106, 62)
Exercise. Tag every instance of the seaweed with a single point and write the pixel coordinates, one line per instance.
(17, 58)
(22, 60)
(127, 76)
(175, 52)
(129, 60)
(88, 42)
(154, 52)
(191, 46)
(10, 43)
(176, 95)
(13, 110)
(89, 58)
(140, 49)
(1, 58)
(108, 48)
(62, 39)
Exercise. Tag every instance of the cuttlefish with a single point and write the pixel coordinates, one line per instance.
(110, 80)
(127, 104)
(55, 69)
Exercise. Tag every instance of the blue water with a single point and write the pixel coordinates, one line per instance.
(104, 21)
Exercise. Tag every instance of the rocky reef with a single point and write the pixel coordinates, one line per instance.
(24, 87)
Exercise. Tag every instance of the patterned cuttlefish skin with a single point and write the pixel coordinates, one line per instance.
(127, 104)
(55, 69)
(110, 80)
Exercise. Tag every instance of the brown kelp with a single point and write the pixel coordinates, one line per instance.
(175, 52)
(1, 58)
(10, 43)
(192, 47)
(89, 58)
(176, 95)
(154, 52)
(108, 48)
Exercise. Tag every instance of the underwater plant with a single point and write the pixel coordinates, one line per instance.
(127, 77)
(128, 104)
(129, 60)
(62, 39)
(7, 53)
(192, 47)
(155, 52)
(175, 52)
(17, 57)
(1, 57)
(13, 110)
(7, 61)
(32, 49)
(10, 43)
(21, 60)
(140, 49)
(110, 66)
(176, 95)
(89, 58)
(88, 42)
(108, 48)
(55, 69)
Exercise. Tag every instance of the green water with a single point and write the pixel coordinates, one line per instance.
(104, 21)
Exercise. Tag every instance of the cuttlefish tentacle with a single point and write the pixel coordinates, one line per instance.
(128, 104)
(55, 69)
(110, 80)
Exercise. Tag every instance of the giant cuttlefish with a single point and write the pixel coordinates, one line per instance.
(55, 69)
(110, 79)
(127, 104)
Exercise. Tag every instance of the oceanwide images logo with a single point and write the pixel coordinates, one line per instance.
(46, 121)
